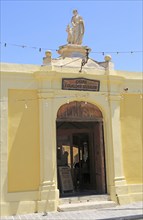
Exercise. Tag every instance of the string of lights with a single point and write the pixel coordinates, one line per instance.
(40, 49)
(25, 46)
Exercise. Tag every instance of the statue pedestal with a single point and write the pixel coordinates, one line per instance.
(73, 50)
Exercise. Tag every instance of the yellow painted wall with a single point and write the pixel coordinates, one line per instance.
(132, 142)
(23, 139)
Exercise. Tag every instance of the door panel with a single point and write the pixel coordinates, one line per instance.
(82, 167)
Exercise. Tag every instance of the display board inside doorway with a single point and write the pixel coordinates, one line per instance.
(66, 179)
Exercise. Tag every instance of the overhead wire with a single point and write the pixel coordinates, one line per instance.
(5, 44)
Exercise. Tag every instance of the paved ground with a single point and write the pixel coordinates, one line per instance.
(132, 211)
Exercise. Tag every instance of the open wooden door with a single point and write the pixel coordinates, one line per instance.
(80, 137)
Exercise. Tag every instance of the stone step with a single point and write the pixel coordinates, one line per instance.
(85, 202)
(85, 205)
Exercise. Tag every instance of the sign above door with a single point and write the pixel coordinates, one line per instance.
(81, 84)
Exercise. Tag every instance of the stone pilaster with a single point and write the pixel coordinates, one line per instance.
(120, 185)
(4, 148)
(48, 188)
(119, 178)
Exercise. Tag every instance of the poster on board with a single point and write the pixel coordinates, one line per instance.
(66, 179)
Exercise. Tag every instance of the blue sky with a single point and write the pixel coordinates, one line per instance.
(110, 26)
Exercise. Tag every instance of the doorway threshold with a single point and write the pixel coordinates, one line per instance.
(79, 193)
(86, 200)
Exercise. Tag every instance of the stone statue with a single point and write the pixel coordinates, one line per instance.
(76, 32)
(70, 34)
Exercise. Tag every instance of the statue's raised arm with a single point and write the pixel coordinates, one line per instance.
(77, 28)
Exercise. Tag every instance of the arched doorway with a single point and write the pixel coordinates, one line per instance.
(80, 148)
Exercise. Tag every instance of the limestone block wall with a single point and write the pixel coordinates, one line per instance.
(132, 143)
(23, 141)
(30, 99)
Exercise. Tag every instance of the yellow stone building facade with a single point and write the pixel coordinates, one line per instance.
(40, 109)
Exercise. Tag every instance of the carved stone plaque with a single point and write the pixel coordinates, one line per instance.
(81, 84)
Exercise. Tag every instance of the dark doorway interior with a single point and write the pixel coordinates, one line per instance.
(80, 146)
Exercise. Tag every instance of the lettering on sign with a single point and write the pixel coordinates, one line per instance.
(81, 84)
